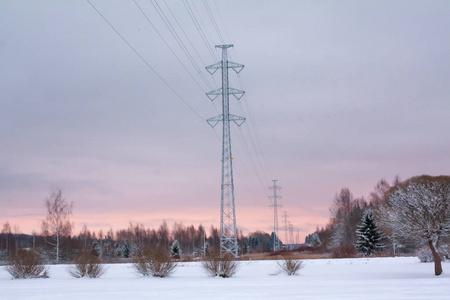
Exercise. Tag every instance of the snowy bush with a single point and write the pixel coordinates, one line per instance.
(224, 267)
(26, 264)
(155, 263)
(87, 265)
(290, 266)
(425, 255)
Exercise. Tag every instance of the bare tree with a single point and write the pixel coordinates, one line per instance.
(57, 223)
(346, 215)
(378, 196)
(419, 208)
(7, 231)
(164, 234)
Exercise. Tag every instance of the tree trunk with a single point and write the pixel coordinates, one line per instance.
(437, 259)
(57, 248)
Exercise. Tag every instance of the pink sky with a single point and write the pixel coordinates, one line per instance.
(337, 95)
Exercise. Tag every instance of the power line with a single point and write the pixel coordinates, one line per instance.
(257, 163)
(223, 23)
(179, 40)
(146, 63)
(184, 33)
(253, 136)
(199, 29)
(252, 161)
(190, 42)
(208, 10)
(173, 52)
(201, 20)
(170, 48)
(165, 82)
(254, 141)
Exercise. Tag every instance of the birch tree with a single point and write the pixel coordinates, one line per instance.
(6, 230)
(419, 208)
(57, 223)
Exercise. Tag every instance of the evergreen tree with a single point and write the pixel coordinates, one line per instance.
(368, 237)
(175, 250)
(313, 240)
(123, 248)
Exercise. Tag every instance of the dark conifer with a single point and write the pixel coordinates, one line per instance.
(368, 237)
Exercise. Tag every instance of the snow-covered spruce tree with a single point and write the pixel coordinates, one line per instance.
(368, 238)
(313, 240)
(419, 208)
(126, 249)
(175, 250)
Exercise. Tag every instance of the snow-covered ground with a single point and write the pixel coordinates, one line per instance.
(374, 278)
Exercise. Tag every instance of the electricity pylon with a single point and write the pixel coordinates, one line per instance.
(228, 234)
(275, 205)
(291, 235)
(286, 242)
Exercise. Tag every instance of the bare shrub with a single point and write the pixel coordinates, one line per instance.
(290, 266)
(87, 265)
(211, 265)
(156, 263)
(224, 267)
(141, 265)
(26, 264)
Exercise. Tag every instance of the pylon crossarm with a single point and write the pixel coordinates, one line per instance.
(236, 93)
(224, 46)
(213, 94)
(213, 68)
(214, 121)
(235, 66)
(237, 119)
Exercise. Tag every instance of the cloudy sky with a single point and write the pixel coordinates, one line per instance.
(338, 94)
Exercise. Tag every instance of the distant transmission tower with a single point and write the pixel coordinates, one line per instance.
(228, 234)
(275, 205)
(291, 235)
(285, 229)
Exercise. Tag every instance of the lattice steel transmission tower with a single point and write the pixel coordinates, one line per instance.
(275, 197)
(286, 242)
(291, 235)
(228, 234)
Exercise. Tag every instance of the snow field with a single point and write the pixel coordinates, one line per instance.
(362, 278)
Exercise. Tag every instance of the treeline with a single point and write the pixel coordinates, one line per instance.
(380, 224)
(340, 235)
(129, 242)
